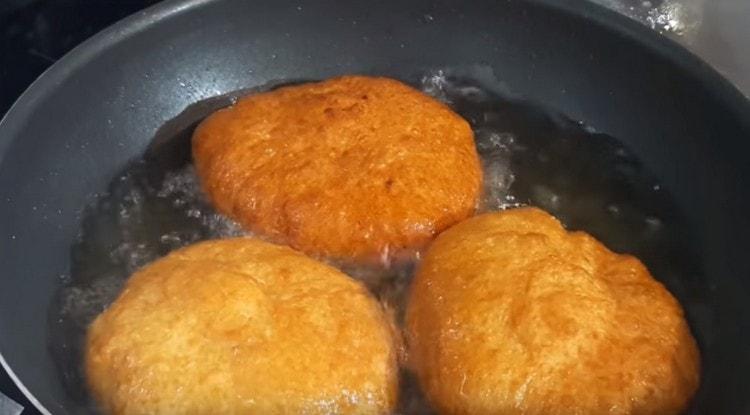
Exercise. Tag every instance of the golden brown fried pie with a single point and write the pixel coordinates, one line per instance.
(242, 326)
(511, 314)
(353, 167)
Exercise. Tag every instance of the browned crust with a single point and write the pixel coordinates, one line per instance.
(353, 167)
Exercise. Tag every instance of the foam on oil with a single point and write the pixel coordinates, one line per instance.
(588, 180)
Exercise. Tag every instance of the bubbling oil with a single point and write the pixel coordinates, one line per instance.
(530, 156)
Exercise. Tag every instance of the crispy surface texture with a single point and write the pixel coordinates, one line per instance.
(242, 326)
(353, 167)
(511, 314)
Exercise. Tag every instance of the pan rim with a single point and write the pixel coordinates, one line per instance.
(17, 115)
(80, 55)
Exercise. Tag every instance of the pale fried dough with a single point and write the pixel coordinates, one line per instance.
(511, 314)
(242, 326)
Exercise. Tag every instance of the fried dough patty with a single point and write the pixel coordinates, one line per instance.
(242, 326)
(353, 167)
(511, 314)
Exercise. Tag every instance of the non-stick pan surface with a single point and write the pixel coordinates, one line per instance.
(100, 106)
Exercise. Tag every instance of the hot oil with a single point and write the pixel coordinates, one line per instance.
(530, 156)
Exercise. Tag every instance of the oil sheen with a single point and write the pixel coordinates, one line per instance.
(530, 156)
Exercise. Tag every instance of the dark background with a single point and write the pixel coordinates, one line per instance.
(33, 35)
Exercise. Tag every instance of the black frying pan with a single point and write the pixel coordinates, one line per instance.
(98, 108)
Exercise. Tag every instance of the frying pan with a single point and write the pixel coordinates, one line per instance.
(99, 107)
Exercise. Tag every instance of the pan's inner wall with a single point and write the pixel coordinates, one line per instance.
(99, 108)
